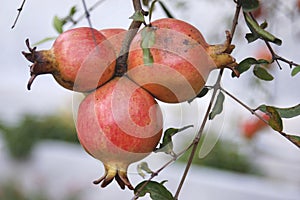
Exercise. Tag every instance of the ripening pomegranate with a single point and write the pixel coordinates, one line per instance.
(115, 36)
(81, 59)
(118, 124)
(182, 60)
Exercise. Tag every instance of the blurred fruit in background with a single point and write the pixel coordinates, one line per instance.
(251, 127)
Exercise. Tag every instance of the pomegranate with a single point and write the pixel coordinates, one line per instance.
(115, 37)
(182, 60)
(81, 59)
(119, 123)
(250, 128)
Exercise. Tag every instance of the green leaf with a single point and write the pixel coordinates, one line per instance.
(296, 70)
(262, 73)
(47, 39)
(264, 25)
(218, 107)
(251, 37)
(258, 31)
(143, 167)
(72, 11)
(249, 5)
(148, 40)
(245, 65)
(294, 139)
(58, 24)
(290, 112)
(138, 16)
(156, 190)
(275, 120)
(167, 143)
(203, 92)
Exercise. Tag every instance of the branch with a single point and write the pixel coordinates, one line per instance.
(18, 15)
(277, 58)
(285, 135)
(121, 66)
(216, 88)
(95, 5)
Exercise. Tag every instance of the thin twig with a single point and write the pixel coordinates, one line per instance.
(285, 135)
(276, 57)
(199, 134)
(18, 15)
(88, 17)
(94, 6)
(216, 88)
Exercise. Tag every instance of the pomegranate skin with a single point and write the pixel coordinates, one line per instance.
(180, 64)
(182, 60)
(81, 59)
(118, 124)
(115, 36)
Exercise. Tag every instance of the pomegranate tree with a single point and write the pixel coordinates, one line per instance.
(182, 60)
(119, 123)
(81, 59)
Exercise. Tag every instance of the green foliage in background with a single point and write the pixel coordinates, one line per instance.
(225, 156)
(21, 137)
(12, 191)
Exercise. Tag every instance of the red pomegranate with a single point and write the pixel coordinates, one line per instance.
(119, 123)
(182, 60)
(115, 37)
(81, 59)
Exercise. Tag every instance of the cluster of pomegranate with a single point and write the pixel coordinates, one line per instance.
(119, 121)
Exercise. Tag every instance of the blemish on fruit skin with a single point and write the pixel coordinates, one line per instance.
(186, 42)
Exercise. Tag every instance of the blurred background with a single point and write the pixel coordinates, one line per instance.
(40, 158)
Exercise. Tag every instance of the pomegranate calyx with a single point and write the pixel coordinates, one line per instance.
(220, 54)
(43, 62)
(119, 174)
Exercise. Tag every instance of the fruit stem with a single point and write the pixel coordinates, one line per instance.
(121, 65)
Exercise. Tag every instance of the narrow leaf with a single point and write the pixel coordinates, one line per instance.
(218, 107)
(251, 37)
(58, 24)
(138, 16)
(72, 11)
(257, 30)
(143, 167)
(294, 139)
(47, 39)
(275, 120)
(167, 143)
(203, 92)
(249, 5)
(290, 112)
(262, 73)
(264, 25)
(296, 70)
(156, 190)
(148, 40)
